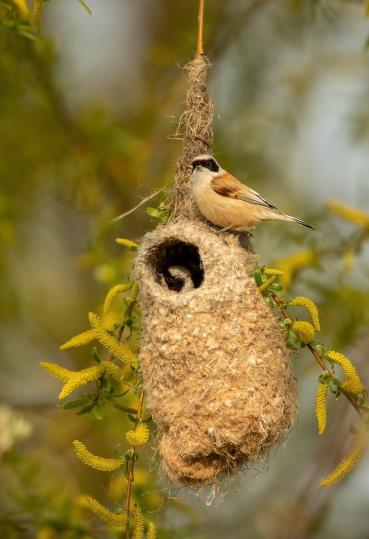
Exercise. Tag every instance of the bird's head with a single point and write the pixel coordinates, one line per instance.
(205, 163)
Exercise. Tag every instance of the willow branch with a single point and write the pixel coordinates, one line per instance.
(320, 360)
(131, 477)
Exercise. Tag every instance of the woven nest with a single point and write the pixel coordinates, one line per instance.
(214, 363)
(215, 367)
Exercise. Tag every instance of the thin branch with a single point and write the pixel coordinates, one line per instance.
(320, 360)
(200, 28)
(125, 214)
(131, 477)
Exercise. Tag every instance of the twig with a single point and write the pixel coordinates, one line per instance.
(143, 201)
(131, 468)
(319, 359)
(138, 413)
(200, 29)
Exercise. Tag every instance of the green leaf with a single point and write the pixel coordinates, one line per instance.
(333, 385)
(120, 394)
(134, 419)
(85, 7)
(86, 409)
(129, 454)
(269, 301)
(129, 322)
(257, 276)
(292, 340)
(320, 348)
(95, 355)
(99, 412)
(73, 404)
(276, 287)
(153, 212)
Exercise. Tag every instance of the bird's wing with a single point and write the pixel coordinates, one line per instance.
(228, 186)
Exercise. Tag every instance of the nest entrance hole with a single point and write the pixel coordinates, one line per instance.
(177, 265)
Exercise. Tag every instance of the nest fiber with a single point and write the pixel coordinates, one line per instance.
(195, 129)
(215, 367)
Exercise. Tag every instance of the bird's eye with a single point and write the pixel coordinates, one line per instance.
(212, 165)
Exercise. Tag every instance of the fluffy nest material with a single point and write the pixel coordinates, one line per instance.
(215, 367)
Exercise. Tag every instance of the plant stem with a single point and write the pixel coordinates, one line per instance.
(121, 407)
(319, 359)
(131, 477)
(200, 29)
(138, 413)
(128, 314)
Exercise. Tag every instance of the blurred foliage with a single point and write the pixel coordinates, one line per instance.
(70, 163)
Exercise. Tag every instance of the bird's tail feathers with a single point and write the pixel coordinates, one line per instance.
(296, 220)
(285, 217)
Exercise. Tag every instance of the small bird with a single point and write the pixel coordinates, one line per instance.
(228, 203)
(179, 278)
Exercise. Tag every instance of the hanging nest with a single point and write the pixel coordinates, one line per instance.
(215, 367)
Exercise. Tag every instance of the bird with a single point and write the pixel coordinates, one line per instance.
(179, 278)
(226, 202)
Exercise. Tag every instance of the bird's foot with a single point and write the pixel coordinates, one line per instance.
(223, 229)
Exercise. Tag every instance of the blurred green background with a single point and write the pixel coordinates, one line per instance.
(86, 109)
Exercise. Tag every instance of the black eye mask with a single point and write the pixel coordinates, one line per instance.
(210, 164)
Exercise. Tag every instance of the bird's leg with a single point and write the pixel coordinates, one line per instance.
(223, 229)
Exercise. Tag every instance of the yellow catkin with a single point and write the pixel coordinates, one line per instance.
(353, 384)
(80, 378)
(101, 511)
(267, 283)
(138, 524)
(348, 260)
(95, 462)
(152, 531)
(304, 330)
(349, 213)
(140, 436)
(310, 306)
(57, 371)
(79, 340)
(113, 292)
(45, 532)
(347, 463)
(321, 407)
(290, 265)
(36, 12)
(115, 372)
(272, 271)
(23, 8)
(120, 350)
(126, 243)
